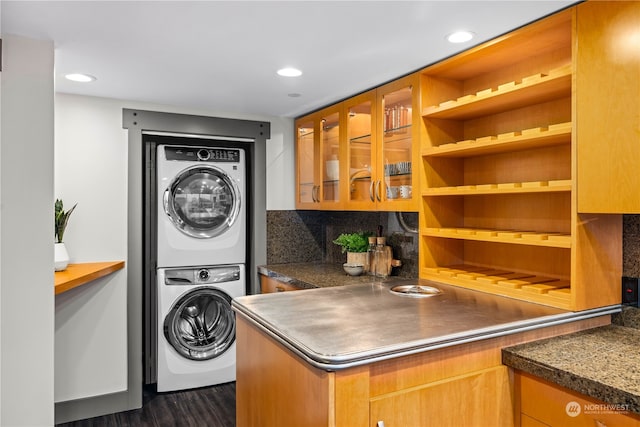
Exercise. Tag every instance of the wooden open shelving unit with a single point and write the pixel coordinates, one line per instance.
(498, 182)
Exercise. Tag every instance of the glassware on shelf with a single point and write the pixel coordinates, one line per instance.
(397, 118)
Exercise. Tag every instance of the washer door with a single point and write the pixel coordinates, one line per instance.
(202, 202)
(201, 324)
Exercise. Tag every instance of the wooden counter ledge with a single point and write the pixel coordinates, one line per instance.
(80, 274)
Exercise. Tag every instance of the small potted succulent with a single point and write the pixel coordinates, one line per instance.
(61, 257)
(355, 245)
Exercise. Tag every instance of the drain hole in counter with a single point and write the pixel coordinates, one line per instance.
(415, 291)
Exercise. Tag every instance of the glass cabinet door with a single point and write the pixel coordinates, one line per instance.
(307, 188)
(395, 160)
(330, 155)
(361, 150)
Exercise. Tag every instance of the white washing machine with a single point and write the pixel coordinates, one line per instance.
(196, 326)
(201, 206)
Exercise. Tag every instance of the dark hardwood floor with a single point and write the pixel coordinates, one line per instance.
(208, 406)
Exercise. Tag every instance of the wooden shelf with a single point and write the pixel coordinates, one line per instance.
(554, 134)
(530, 238)
(511, 95)
(521, 285)
(503, 188)
(80, 274)
(544, 38)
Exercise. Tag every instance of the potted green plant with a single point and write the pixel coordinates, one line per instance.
(355, 245)
(61, 219)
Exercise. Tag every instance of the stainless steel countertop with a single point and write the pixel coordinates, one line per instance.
(339, 327)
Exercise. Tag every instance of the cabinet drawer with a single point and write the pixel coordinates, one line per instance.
(553, 405)
(269, 285)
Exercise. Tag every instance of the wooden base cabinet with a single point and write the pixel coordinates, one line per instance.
(459, 386)
(542, 404)
(452, 402)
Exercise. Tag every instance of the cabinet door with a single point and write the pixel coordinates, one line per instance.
(330, 162)
(479, 399)
(527, 421)
(318, 153)
(361, 151)
(397, 154)
(608, 106)
(307, 178)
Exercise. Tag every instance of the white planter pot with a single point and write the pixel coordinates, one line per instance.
(361, 258)
(61, 257)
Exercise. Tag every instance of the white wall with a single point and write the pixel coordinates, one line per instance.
(26, 226)
(281, 177)
(91, 321)
(91, 170)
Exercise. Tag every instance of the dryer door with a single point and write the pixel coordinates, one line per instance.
(201, 324)
(202, 201)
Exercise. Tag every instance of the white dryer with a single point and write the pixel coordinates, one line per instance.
(196, 326)
(201, 206)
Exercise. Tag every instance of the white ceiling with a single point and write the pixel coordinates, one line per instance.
(223, 55)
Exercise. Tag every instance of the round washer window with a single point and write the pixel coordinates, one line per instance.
(202, 202)
(201, 325)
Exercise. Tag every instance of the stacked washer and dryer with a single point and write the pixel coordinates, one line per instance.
(201, 255)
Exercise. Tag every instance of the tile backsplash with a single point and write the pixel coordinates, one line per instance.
(631, 245)
(307, 236)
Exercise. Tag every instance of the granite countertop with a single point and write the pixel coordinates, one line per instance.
(603, 362)
(314, 275)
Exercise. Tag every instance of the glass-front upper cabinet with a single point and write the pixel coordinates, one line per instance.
(361, 148)
(318, 160)
(360, 154)
(307, 188)
(397, 147)
(330, 155)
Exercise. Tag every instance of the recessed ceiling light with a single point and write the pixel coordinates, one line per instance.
(294, 95)
(82, 78)
(289, 72)
(460, 36)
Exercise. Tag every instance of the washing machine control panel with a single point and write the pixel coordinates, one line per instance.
(203, 275)
(202, 154)
(200, 276)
